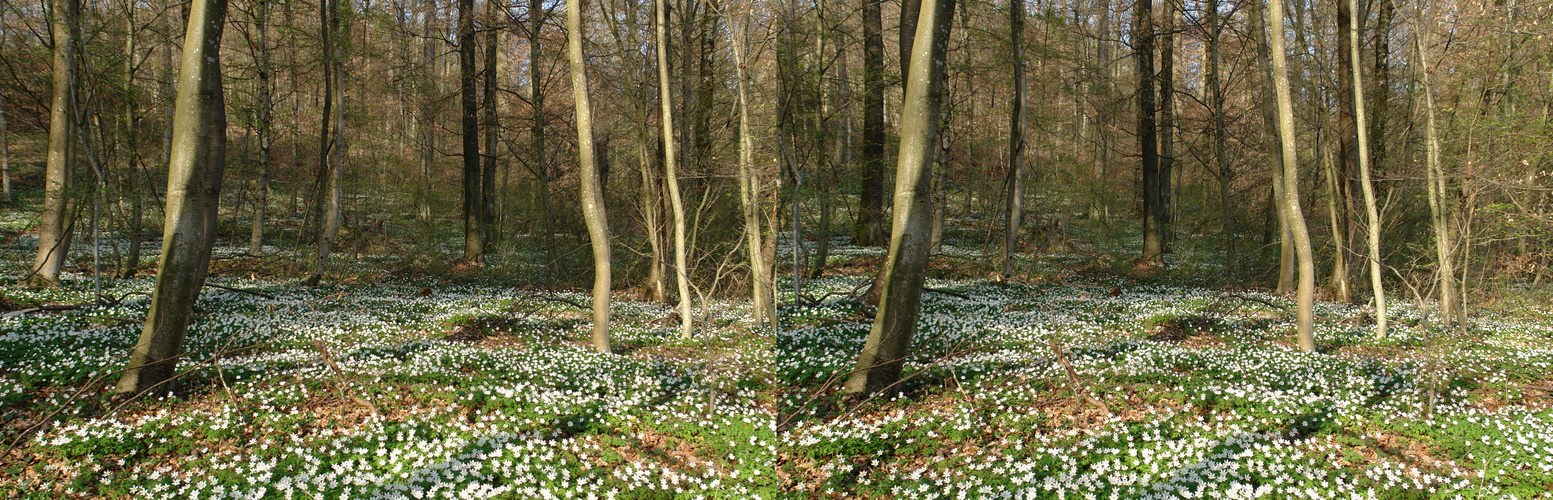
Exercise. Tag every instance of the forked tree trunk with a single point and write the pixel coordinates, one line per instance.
(764, 299)
(193, 190)
(879, 365)
(1286, 253)
(593, 212)
(58, 223)
(1440, 205)
(1372, 214)
(1306, 293)
(671, 173)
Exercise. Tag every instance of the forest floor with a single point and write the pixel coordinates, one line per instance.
(387, 383)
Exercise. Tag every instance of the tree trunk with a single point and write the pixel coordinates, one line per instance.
(1286, 253)
(537, 15)
(1307, 269)
(261, 48)
(5, 140)
(593, 211)
(883, 356)
(1440, 203)
(1148, 133)
(764, 298)
(1345, 183)
(428, 111)
(1016, 140)
(193, 190)
(671, 174)
(488, 170)
(335, 146)
(58, 222)
(1372, 214)
(870, 214)
(1167, 126)
(474, 231)
(1221, 138)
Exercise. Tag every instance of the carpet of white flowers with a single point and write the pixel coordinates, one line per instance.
(406, 388)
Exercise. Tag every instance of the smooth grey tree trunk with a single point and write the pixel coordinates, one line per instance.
(193, 191)
(1221, 138)
(1286, 253)
(763, 298)
(593, 211)
(1306, 292)
(1372, 214)
(266, 126)
(1440, 205)
(671, 172)
(889, 342)
(58, 222)
(330, 229)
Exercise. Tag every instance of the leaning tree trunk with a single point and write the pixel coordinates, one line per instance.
(671, 174)
(592, 192)
(1372, 215)
(879, 365)
(1307, 268)
(1016, 140)
(58, 221)
(193, 190)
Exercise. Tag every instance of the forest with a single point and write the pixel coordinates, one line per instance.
(280, 249)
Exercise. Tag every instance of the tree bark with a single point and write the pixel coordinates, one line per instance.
(593, 211)
(1305, 296)
(334, 148)
(1440, 203)
(1167, 126)
(671, 173)
(474, 231)
(764, 298)
(193, 191)
(1221, 138)
(1148, 138)
(1286, 253)
(58, 222)
(1372, 214)
(883, 356)
(261, 49)
(869, 230)
(1016, 140)
(488, 159)
(1347, 164)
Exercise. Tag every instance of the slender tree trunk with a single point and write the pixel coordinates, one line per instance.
(1148, 133)
(1221, 138)
(130, 178)
(1440, 205)
(1307, 269)
(671, 174)
(1345, 183)
(193, 189)
(58, 222)
(334, 148)
(428, 111)
(870, 224)
(750, 196)
(884, 354)
(593, 211)
(1167, 126)
(474, 232)
(1286, 253)
(1372, 214)
(537, 14)
(5, 139)
(261, 49)
(488, 171)
(1016, 140)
